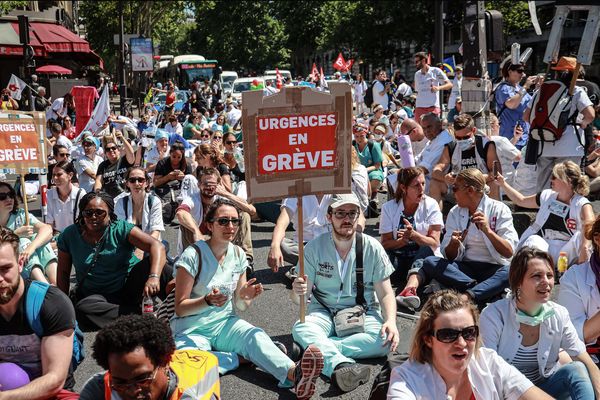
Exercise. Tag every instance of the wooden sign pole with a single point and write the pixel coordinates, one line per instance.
(24, 197)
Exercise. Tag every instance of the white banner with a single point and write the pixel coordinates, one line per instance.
(99, 115)
(15, 87)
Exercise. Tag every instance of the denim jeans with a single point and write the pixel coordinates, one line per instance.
(405, 266)
(481, 280)
(571, 380)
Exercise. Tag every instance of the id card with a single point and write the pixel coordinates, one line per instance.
(559, 208)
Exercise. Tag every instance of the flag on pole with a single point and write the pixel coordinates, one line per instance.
(15, 87)
(148, 98)
(322, 80)
(99, 115)
(339, 63)
(279, 82)
(349, 65)
(314, 73)
(448, 65)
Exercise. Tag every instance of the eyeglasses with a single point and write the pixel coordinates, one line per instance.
(343, 214)
(89, 213)
(226, 221)
(110, 148)
(143, 383)
(217, 137)
(449, 335)
(231, 142)
(135, 179)
(6, 195)
(205, 136)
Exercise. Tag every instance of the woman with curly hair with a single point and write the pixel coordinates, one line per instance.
(110, 280)
(207, 157)
(563, 212)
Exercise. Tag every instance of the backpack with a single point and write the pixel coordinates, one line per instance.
(76, 204)
(368, 99)
(33, 305)
(550, 112)
(481, 149)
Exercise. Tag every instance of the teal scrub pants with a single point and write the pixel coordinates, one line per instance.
(232, 336)
(318, 329)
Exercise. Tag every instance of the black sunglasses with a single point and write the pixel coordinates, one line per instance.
(89, 213)
(136, 179)
(4, 196)
(449, 335)
(110, 148)
(231, 142)
(226, 221)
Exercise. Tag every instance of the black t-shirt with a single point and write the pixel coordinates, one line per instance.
(18, 342)
(223, 169)
(237, 173)
(113, 180)
(468, 159)
(410, 250)
(163, 168)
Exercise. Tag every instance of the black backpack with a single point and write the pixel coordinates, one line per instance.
(369, 95)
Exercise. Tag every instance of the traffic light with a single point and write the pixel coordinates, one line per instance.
(493, 31)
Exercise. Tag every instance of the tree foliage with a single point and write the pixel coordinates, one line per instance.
(515, 14)
(8, 6)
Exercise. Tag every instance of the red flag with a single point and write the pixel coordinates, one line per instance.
(339, 63)
(314, 73)
(349, 65)
(279, 82)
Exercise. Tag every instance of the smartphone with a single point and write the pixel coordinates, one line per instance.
(496, 168)
(5, 97)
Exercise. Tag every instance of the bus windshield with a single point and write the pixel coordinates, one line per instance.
(196, 74)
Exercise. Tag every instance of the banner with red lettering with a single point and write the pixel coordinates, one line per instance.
(296, 143)
(22, 148)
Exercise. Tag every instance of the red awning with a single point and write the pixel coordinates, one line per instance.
(57, 39)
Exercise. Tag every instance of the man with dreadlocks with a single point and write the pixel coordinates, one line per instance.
(111, 281)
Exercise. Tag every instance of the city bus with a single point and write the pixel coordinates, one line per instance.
(186, 69)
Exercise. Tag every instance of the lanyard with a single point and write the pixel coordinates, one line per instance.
(342, 269)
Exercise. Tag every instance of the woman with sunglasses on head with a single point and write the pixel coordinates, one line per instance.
(111, 281)
(210, 282)
(111, 172)
(410, 227)
(35, 254)
(138, 206)
(529, 331)
(447, 361)
(208, 157)
(563, 213)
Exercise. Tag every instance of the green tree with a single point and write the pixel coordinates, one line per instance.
(8, 6)
(515, 15)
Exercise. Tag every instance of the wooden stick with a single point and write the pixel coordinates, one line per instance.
(24, 196)
(574, 79)
(300, 230)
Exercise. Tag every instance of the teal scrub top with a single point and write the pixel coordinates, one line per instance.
(225, 276)
(321, 268)
(114, 262)
(367, 158)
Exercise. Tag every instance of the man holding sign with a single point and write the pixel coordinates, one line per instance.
(344, 270)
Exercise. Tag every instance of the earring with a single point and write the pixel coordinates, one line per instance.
(518, 294)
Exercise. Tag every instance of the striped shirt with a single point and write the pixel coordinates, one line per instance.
(526, 361)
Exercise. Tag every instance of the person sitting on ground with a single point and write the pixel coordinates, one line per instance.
(207, 156)
(447, 360)
(173, 126)
(87, 163)
(528, 331)
(332, 262)
(210, 280)
(371, 157)
(138, 206)
(410, 227)
(192, 128)
(160, 150)
(563, 212)
(479, 242)
(36, 254)
(234, 159)
(110, 176)
(580, 294)
(110, 280)
(58, 136)
(437, 139)
(415, 133)
(45, 359)
(470, 150)
(139, 356)
(63, 198)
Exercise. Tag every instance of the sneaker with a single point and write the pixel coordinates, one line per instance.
(408, 298)
(291, 273)
(307, 371)
(281, 346)
(348, 377)
(296, 352)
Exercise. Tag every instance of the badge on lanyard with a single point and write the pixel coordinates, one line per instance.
(559, 208)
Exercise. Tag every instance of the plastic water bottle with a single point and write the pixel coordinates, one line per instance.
(147, 305)
(239, 158)
(563, 262)
(406, 154)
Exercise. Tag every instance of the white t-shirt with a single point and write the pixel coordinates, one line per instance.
(568, 145)
(404, 89)
(359, 90)
(151, 212)
(423, 83)
(433, 151)
(233, 116)
(456, 87)
(377, 98)
(178, 129)
(314, 215)
(86, 182)
(153, 156)
(62, 214)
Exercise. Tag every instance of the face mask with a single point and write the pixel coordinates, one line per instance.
(545, 312)
(465, 144)
(377, 137)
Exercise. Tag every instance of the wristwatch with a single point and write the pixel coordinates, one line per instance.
(153, 276)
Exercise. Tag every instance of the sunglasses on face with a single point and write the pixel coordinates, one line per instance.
(110, 148)
(89, 213)
(205, 136)
(231, 142)
(136, 179)
(6, 195)
(449, 335)
(343, 214)
(217, 137)
(226, 221)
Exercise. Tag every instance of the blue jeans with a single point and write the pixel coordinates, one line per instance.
(481, 280)
(569, 380)
(405, 266)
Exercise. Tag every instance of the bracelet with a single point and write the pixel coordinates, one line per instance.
(208, 302)
(522, 92)
(153, 276)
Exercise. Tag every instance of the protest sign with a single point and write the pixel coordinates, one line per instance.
(297, 142)
(22, 148)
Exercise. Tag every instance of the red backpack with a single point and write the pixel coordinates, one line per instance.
(550, 112)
